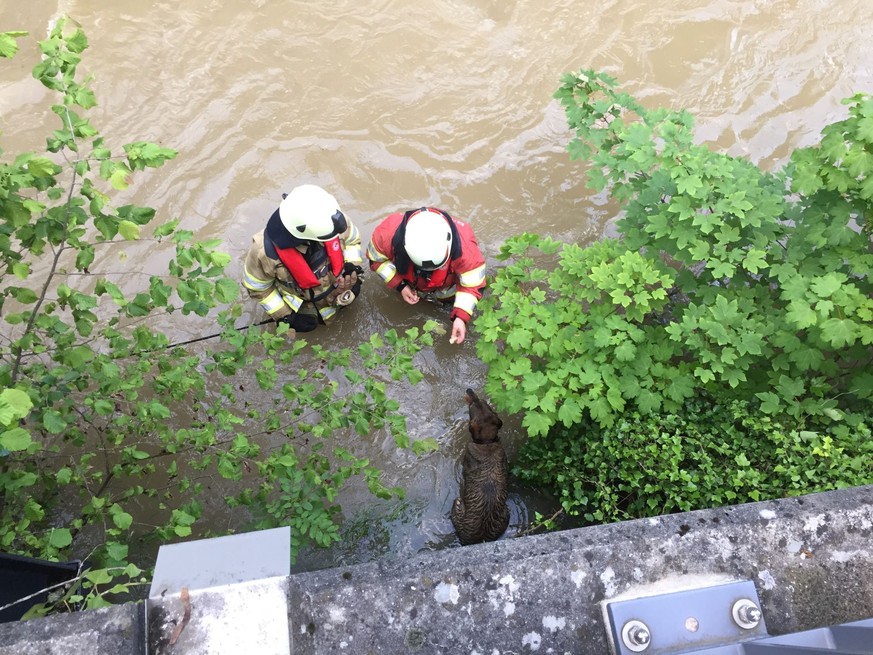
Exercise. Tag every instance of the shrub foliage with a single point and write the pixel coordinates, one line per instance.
(727, 282)
(708, 454)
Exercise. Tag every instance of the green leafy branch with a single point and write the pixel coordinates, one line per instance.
(726, 278)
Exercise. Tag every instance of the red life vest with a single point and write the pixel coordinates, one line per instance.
(296, 264)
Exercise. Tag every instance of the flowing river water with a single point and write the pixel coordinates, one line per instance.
(394, 104)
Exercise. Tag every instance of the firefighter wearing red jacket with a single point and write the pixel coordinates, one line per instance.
(425, 253)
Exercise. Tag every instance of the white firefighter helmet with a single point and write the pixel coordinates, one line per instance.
(428, 239)
(311, 213)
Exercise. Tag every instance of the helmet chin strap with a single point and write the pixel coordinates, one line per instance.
(430, 267)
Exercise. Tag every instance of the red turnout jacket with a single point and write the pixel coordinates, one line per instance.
(463, 276)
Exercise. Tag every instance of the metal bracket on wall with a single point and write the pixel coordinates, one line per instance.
(693, 620)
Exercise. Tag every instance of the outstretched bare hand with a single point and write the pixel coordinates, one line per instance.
(459, 331)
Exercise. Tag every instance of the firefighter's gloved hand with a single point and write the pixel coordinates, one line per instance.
(350, 267)
(301, 322)
(345, 291)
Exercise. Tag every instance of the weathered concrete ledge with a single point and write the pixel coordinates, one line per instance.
(118, 629)
(811, 559)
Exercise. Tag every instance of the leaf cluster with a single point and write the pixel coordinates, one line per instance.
(725, 279)
(708, 454)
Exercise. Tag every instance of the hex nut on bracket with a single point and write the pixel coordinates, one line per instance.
(636, 636)
(746, 614)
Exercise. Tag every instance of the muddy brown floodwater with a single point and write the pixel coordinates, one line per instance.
(394, 104)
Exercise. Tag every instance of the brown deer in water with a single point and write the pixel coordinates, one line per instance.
(480, 512)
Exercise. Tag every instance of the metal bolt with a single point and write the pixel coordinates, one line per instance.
(636, 636)
(746, 614)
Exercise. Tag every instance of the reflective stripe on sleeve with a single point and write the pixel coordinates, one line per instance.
(387, 271)
(272, 302)
(443, 294)
(374, 255)
(352, 251)
(327, 312)
(466, 301)
(353, 254)
(255, 284)
(354, 235)
(294, 302)
(472, 279)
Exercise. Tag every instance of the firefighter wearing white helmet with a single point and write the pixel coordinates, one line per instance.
(306, 263)
(311, 213)
(426, 253)
(428, 240)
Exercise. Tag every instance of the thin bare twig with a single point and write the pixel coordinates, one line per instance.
(78, 578)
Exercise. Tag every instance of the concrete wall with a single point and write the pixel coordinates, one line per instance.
(811, 559)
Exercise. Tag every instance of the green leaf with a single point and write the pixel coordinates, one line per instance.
(120, 176)
(60, 538)
(839, 332)
(825, 287)
(15, 439)
(128, 230)
(78, 356)
(626, 351)
(14, 405)
(99, 576)
(20, 270)
(690, 185)
(801, 315)
(8, 44)
(226, 290)
(519, 366)
(53, 422)
(120, 518)
(77, 41)
(424, 446)
(570, 412)
(182, 530)
(536, 423)
(132, 570)
(167, 228)
(22, 295)
(770, 402)
(520, 338)
(42, 167)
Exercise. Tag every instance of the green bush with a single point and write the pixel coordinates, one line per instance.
(726, 279)
(708, 454)
(719, 351)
